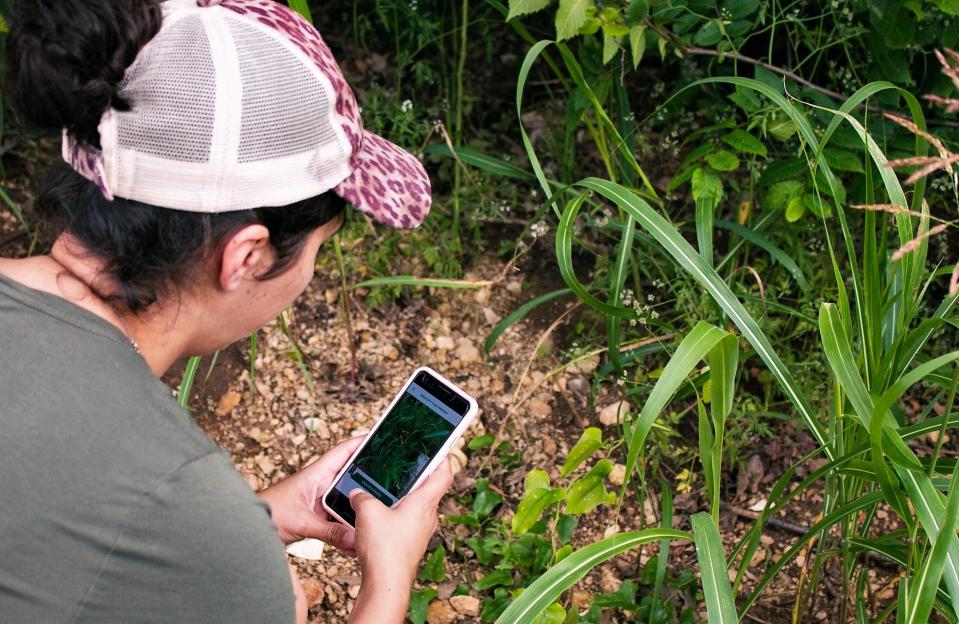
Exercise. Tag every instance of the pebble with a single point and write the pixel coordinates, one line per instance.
(618, 474)
(609, 580)
(440, 612)
(265, 465)
(228, 402)
(466, 605)
(445, 343)
(467, 352)
(538, 407)
(613, 414)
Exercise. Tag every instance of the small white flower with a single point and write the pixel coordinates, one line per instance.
(406, 106)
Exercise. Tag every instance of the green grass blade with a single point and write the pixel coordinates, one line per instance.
(409, 280)
(694, 264)
(662, 561)
(766, 245)
(548, 587)
(617, 281)
(303, 8)
(926, 583)
(693, 348)
(520, 313)
(483, 162)
(186, 384)
(720, 604)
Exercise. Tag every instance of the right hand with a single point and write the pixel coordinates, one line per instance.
(390, 542)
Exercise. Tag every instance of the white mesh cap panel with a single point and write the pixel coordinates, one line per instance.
(285, 108)
(169, 98)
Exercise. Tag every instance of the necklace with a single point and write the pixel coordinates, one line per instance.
(128, 334)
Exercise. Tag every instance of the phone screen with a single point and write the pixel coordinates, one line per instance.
(404, 444)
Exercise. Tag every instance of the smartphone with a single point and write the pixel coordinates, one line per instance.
(407, 443)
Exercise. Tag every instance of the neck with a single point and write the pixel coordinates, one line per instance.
(163, 333)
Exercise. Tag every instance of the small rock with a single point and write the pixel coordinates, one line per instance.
(613, 414)
(492, 318)
(609, 580)
(440, 612)
(227, 402)
(445, 343)
(391, 353)
(515, 286)
(585, 366)
(265, 465)
(313, 590)
(578, 385)
(540, 408)
(466, 605)
(582, 599)
(618, 474)
(445, 590)
(468, 353)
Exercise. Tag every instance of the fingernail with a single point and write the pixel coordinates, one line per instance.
(349, 540)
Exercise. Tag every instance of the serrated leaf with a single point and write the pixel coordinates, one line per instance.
(781, 129)
(742, 141)
(637, 44)
(795, 209)
(739, 9)
(610, 46)
(589, 492)
(637, 11)
(525, 7)
(709, 34)
(722, 161)
(816, 205)
(570, 17)
(419, 602)
(589, 443)
(553, 614)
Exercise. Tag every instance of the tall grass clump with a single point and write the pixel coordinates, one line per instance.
(875, 325)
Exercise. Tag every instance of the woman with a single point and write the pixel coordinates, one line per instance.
(211, 148)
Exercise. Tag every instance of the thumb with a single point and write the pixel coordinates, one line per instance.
(361, 500)
(435, 487)
(335, 534)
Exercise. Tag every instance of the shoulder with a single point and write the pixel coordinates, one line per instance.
(201, 548)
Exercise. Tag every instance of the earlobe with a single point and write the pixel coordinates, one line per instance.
(245, 255)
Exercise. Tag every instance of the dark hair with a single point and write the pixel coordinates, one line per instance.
(66, 59)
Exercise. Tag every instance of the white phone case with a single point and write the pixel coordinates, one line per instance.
(440, 455)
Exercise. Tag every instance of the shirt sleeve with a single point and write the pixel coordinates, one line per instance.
(201, 549)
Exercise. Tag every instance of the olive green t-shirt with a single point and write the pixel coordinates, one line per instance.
(114, 505)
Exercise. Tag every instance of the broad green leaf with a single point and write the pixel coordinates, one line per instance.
(707, 194)
(795, 209)
(434, 570)
(525, 7)
(589, 443)
(926, 583)
(720, 604)
(548, 587)
(637, 11)
(570, 18)
(782, 128)
(537, 496)
(739, 9)
(709, 34)
(486, 499)
(843, 160)
(419, 603)
(722, 161)
(589, 491)
(781, 193)
(496, 578)
(303, 8)
(553, 614)
(637, 44)
(742, 141)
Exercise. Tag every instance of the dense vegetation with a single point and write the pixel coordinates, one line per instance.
(754, 201)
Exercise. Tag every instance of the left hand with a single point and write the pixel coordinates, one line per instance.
(297, 506)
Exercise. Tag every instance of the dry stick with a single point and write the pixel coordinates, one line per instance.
(792, 76)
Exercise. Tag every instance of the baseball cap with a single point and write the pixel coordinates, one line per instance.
(239, 104)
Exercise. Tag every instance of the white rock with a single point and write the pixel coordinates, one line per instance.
(613, 414)
(445, 343)
(466, 605)
(311, 549)
(618, 474)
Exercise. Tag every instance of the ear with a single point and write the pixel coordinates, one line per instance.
(246, 255)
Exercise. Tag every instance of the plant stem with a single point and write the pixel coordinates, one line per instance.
(458, 129)
(345, 305)
(950, 402)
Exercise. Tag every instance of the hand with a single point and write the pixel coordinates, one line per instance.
(390, 543)
(297, 507)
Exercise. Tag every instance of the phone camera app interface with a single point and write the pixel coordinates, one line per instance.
(400, 450)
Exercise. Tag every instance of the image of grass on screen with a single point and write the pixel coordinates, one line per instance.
(403, 445)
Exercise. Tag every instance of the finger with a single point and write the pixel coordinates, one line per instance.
(301, 605)
(336, 457)
(362, 501)
(333, 533)
(435, 487)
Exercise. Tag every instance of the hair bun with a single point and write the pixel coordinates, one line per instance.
(67, 57)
